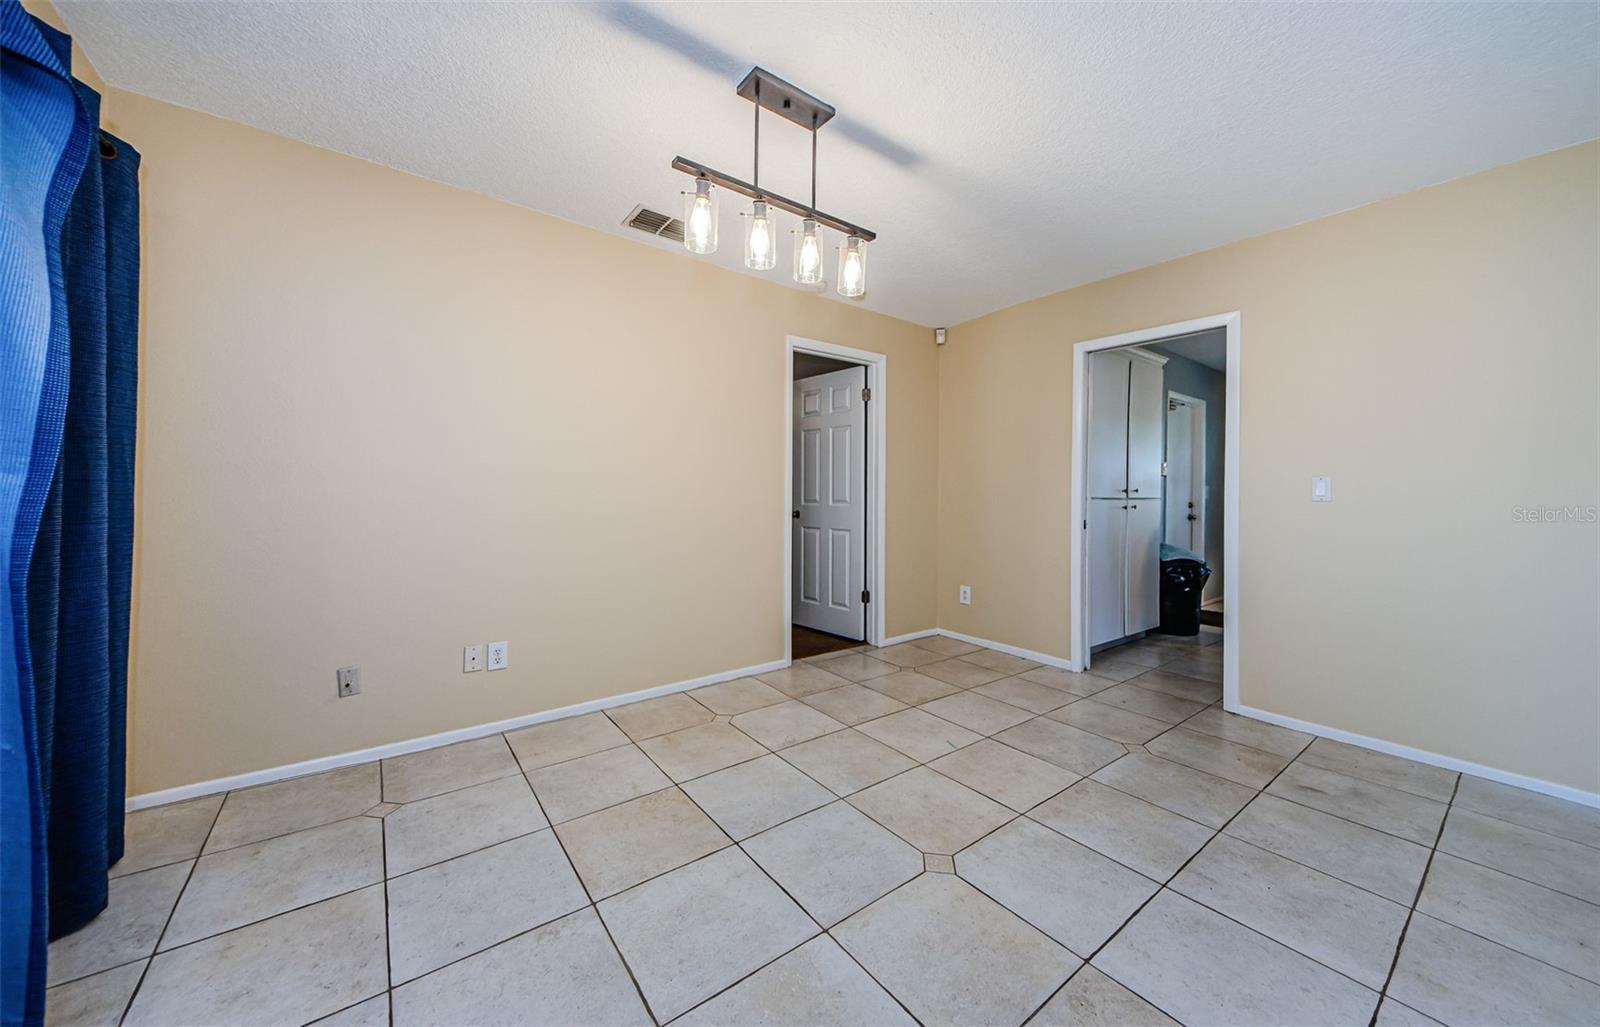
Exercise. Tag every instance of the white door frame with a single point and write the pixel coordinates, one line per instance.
(1230, 488)
(1194, 443)
(877, 365)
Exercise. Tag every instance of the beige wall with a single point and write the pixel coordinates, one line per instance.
(1436, 354)
(382, 418)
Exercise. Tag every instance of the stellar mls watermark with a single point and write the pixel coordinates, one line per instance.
(1541, 514)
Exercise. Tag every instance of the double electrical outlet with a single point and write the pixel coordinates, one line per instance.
(499, 657)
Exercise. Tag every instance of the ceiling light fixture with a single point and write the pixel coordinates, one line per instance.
(766, 90)
(700, 218)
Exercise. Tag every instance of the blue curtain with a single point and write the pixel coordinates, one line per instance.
(69, 264)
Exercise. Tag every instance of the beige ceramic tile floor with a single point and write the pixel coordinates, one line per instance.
(929, 832)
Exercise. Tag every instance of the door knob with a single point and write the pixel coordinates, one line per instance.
(797, 515)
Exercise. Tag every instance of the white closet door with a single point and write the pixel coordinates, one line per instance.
(1146, 418)
(830, 514)
(1143, 585)
(1106, 548)
(1108, 425)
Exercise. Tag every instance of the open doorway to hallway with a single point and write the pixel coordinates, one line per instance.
(1155, 549)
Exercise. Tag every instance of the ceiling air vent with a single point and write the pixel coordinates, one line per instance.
(653, 222)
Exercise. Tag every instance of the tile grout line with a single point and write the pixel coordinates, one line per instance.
(1080, 778)
(1422, 882)
(551, 826)
(1400, 938)
(383, 880)
(280, 834)
(754, 862)
(383, 863)
(626, 968)
(383, 846)
(823, 931)
(757, 864)
(1449, 805)
(151, 958)
(510, 938)
(1523, 827)
(1163, 886)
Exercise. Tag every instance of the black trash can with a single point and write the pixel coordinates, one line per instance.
(1183, 576)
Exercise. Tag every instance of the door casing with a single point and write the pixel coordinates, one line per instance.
(877, 365)
(1078, 612)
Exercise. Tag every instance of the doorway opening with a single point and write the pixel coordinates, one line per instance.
(834, 403)
(1155, 498)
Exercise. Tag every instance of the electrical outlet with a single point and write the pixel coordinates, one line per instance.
(966, 595)
(471, 659)
(499, 655)
(349, 682)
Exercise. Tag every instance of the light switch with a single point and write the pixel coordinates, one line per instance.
(1322, 489)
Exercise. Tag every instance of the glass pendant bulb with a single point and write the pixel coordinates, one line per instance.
(853, 267)
(700, 218)
(808, 253)
(760, 240)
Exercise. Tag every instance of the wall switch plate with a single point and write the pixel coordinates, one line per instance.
(966, 595)
(471, 659)
(349, 682)
(1322, 489)
(499, 655)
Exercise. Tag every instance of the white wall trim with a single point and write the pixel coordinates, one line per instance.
(1230, 488)
(1506, 777)
(462, 734)
(1014, 650)
(877, 365)
(912, 636)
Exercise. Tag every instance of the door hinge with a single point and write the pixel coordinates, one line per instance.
(866, 395)
(866, 597)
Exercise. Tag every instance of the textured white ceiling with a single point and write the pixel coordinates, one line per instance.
(1002, 152)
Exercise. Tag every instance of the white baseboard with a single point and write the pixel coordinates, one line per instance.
(1026, 654)
(1506, 777)
(909, 636)
(463, 734)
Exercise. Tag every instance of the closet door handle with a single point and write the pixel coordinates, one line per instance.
(1133, 490)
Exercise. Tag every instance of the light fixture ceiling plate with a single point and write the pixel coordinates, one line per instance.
(785, 100)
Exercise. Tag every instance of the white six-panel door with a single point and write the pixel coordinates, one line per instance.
(830, 507)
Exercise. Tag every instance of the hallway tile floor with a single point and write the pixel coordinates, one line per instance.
(930, 832)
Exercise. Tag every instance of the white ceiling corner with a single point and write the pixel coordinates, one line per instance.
(1001, 152)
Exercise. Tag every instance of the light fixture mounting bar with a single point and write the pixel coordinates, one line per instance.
(742, 187)
(784, 99)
